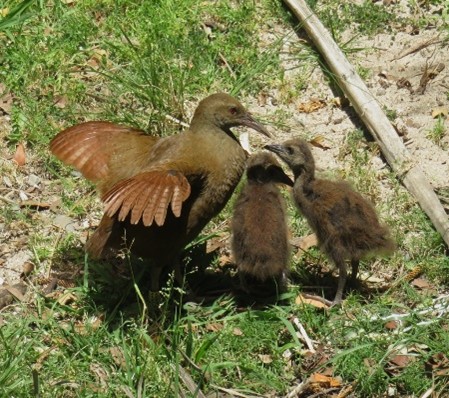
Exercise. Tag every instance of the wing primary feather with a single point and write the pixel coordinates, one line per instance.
(140, 205)
(131, 193)
(147, 197)
(163, 203)
(149, 212)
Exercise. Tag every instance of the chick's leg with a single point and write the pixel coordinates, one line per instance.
(355, 270)
(343, 276)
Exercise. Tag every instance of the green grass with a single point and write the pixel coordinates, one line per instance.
(134, 63)
(438, 131)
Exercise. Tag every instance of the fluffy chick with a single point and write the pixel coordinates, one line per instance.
(259, 229)
(346, 224)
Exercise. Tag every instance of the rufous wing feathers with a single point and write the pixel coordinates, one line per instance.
(91, 146)
(147, 196)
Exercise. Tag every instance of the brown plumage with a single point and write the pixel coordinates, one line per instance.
(345, 223)
(259, 230)
(159, 193)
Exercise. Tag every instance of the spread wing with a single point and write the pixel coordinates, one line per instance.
(147, 196)
(99, 149)
(116, 158)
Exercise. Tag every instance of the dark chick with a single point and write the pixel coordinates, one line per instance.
(345, 223)
(259, 230)
(159, 193)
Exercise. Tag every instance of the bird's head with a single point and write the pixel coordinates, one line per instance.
(296, 153)
(263, 168)
(224, 111)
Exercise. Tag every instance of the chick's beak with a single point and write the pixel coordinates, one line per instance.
(283, 178)
(248, 121)
(276, 148)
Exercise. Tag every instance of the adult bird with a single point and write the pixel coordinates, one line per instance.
(346, 224)
(159, 193)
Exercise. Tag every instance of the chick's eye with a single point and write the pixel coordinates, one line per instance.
(233, 110)
(289, 150)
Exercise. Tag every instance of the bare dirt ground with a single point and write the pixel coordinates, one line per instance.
(408, 73)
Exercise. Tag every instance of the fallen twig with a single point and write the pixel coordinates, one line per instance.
(439, 309)
(193, 388)
(180, 122)
(8, 201)
(234, 393)
(418, 47)
(301, 387)
(304, 334)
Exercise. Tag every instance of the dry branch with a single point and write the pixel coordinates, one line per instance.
(374, 118)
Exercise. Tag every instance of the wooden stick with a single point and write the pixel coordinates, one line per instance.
(374, 118)
(304, 334)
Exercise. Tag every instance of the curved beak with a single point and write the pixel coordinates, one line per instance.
(282, 178)
(278, 149)
(248, 121)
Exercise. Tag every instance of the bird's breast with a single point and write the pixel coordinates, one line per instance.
(216, 185)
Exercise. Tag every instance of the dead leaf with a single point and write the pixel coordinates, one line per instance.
(99, 55)
(320, 142)
(100, 373)
(7, 293)
(329, 371)
(216, 243)
(391, 325)
(325, 381)
(367, 277)
(117, 356)
(67, 299)
(237, 332)
(441, 111)
(311, 106)
(19, 156)
(224, 259)
(313, 302)
(421, 284)
(17, 291)
(35, 205)
(339, 102)
(304, 242)
(60, 101)
(265, 358)
(401, 360)
(214, 327)
(83, 328)
(438, 364)
(42, 357)
(27, 269)
(262, 98)
(6, 99)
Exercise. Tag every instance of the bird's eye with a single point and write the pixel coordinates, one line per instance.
(233, 110)
(289, 150)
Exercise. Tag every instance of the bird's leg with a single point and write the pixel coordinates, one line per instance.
(343, 275)
(355, 270)
(179, 274)
(244, 283)
(154, 295)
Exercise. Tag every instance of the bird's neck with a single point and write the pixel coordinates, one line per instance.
(304, 175)
(201, 126)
